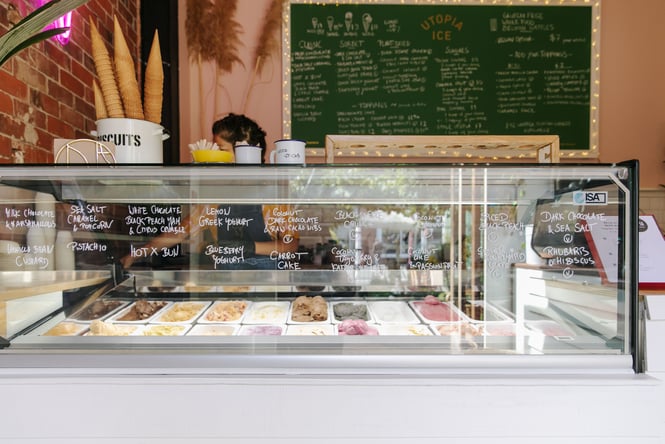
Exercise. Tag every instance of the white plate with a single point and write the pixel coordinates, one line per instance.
(218, 305)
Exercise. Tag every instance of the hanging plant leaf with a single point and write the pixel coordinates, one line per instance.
(32, 41)
(30, 29)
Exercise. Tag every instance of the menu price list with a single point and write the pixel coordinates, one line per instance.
(483, 70)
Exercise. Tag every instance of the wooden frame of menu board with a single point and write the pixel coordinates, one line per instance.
(417, 149)
(444, 68)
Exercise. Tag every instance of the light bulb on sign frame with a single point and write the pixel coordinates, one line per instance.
(62, 22)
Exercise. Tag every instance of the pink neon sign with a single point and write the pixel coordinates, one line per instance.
(63, 22)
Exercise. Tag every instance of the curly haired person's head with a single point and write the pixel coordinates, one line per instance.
(235, 128)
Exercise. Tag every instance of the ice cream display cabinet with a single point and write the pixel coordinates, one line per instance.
(375, 268)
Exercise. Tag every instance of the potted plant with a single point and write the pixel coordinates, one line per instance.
(30, 29)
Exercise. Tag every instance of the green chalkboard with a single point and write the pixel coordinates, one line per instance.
(389, 68)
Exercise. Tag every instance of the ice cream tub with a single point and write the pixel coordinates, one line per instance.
(262, 330)
(66, 328)
(136, 141)
(99, 309)
(356, 327)
(431, 310)
(497, 329)
(267, 312)
(139, 312)
(213, 330)
(181, 312)
(404, 330)
(350, 310)
(392, 312)
(485, 312)
(164, 330)
(103, 328)
(225, 312)
(309, 310)
(310, 330)
(462, 329)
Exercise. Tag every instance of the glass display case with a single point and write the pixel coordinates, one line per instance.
(391, 265)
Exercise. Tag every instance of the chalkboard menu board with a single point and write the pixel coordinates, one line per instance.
(441, 69)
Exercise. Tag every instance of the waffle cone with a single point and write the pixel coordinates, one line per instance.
(100, 106)
(126, 72)
(104, 69)
(153, 87)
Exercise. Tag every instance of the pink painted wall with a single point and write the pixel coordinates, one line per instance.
(260, 99)
(632, 86)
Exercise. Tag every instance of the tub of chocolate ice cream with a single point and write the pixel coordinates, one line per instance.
(99, 309)
(140, 312)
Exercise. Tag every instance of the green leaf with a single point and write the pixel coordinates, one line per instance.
(33, 40)
(23, 33)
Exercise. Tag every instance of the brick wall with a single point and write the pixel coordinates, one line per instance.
(46, 90)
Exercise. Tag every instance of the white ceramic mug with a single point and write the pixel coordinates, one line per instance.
(288, 151)
(248, 154)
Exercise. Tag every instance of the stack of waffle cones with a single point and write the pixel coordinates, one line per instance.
(117, 94)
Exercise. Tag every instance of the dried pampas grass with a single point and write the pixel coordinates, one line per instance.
(213, 35)
(225, 39)
(196, 33)
(212, 32)
(269, 40)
